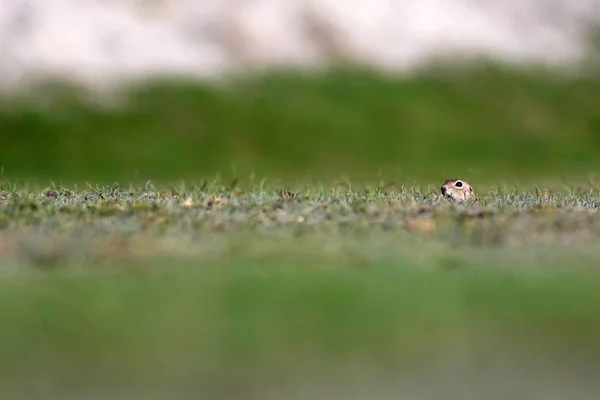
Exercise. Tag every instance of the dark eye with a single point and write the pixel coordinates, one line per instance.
(458, 184)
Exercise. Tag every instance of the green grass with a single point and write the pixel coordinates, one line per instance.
(487, 122)
(357, 281)
(217, 292)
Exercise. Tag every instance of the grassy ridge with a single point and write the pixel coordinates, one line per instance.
(231, 293)
(487, 123)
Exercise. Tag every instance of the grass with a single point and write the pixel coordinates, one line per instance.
(224, 291)
(488, 122)
(342, 275)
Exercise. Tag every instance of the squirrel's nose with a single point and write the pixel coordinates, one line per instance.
(443, 189)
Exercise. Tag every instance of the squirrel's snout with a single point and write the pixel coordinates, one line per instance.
(443, 190)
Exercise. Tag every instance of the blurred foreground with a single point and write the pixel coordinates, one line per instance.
(229, 294)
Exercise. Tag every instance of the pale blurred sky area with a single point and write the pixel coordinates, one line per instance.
(99, 40)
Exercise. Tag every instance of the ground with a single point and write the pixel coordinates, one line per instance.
(281, 236)
(298, 291)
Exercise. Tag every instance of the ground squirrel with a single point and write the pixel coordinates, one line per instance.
(457, 190)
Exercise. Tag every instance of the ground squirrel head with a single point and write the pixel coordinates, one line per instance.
(457, 190)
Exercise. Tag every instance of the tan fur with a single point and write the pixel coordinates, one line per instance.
(457, 190)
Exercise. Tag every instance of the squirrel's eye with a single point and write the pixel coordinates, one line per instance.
(458, 184)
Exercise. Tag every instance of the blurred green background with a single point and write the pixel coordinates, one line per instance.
(484, 122)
